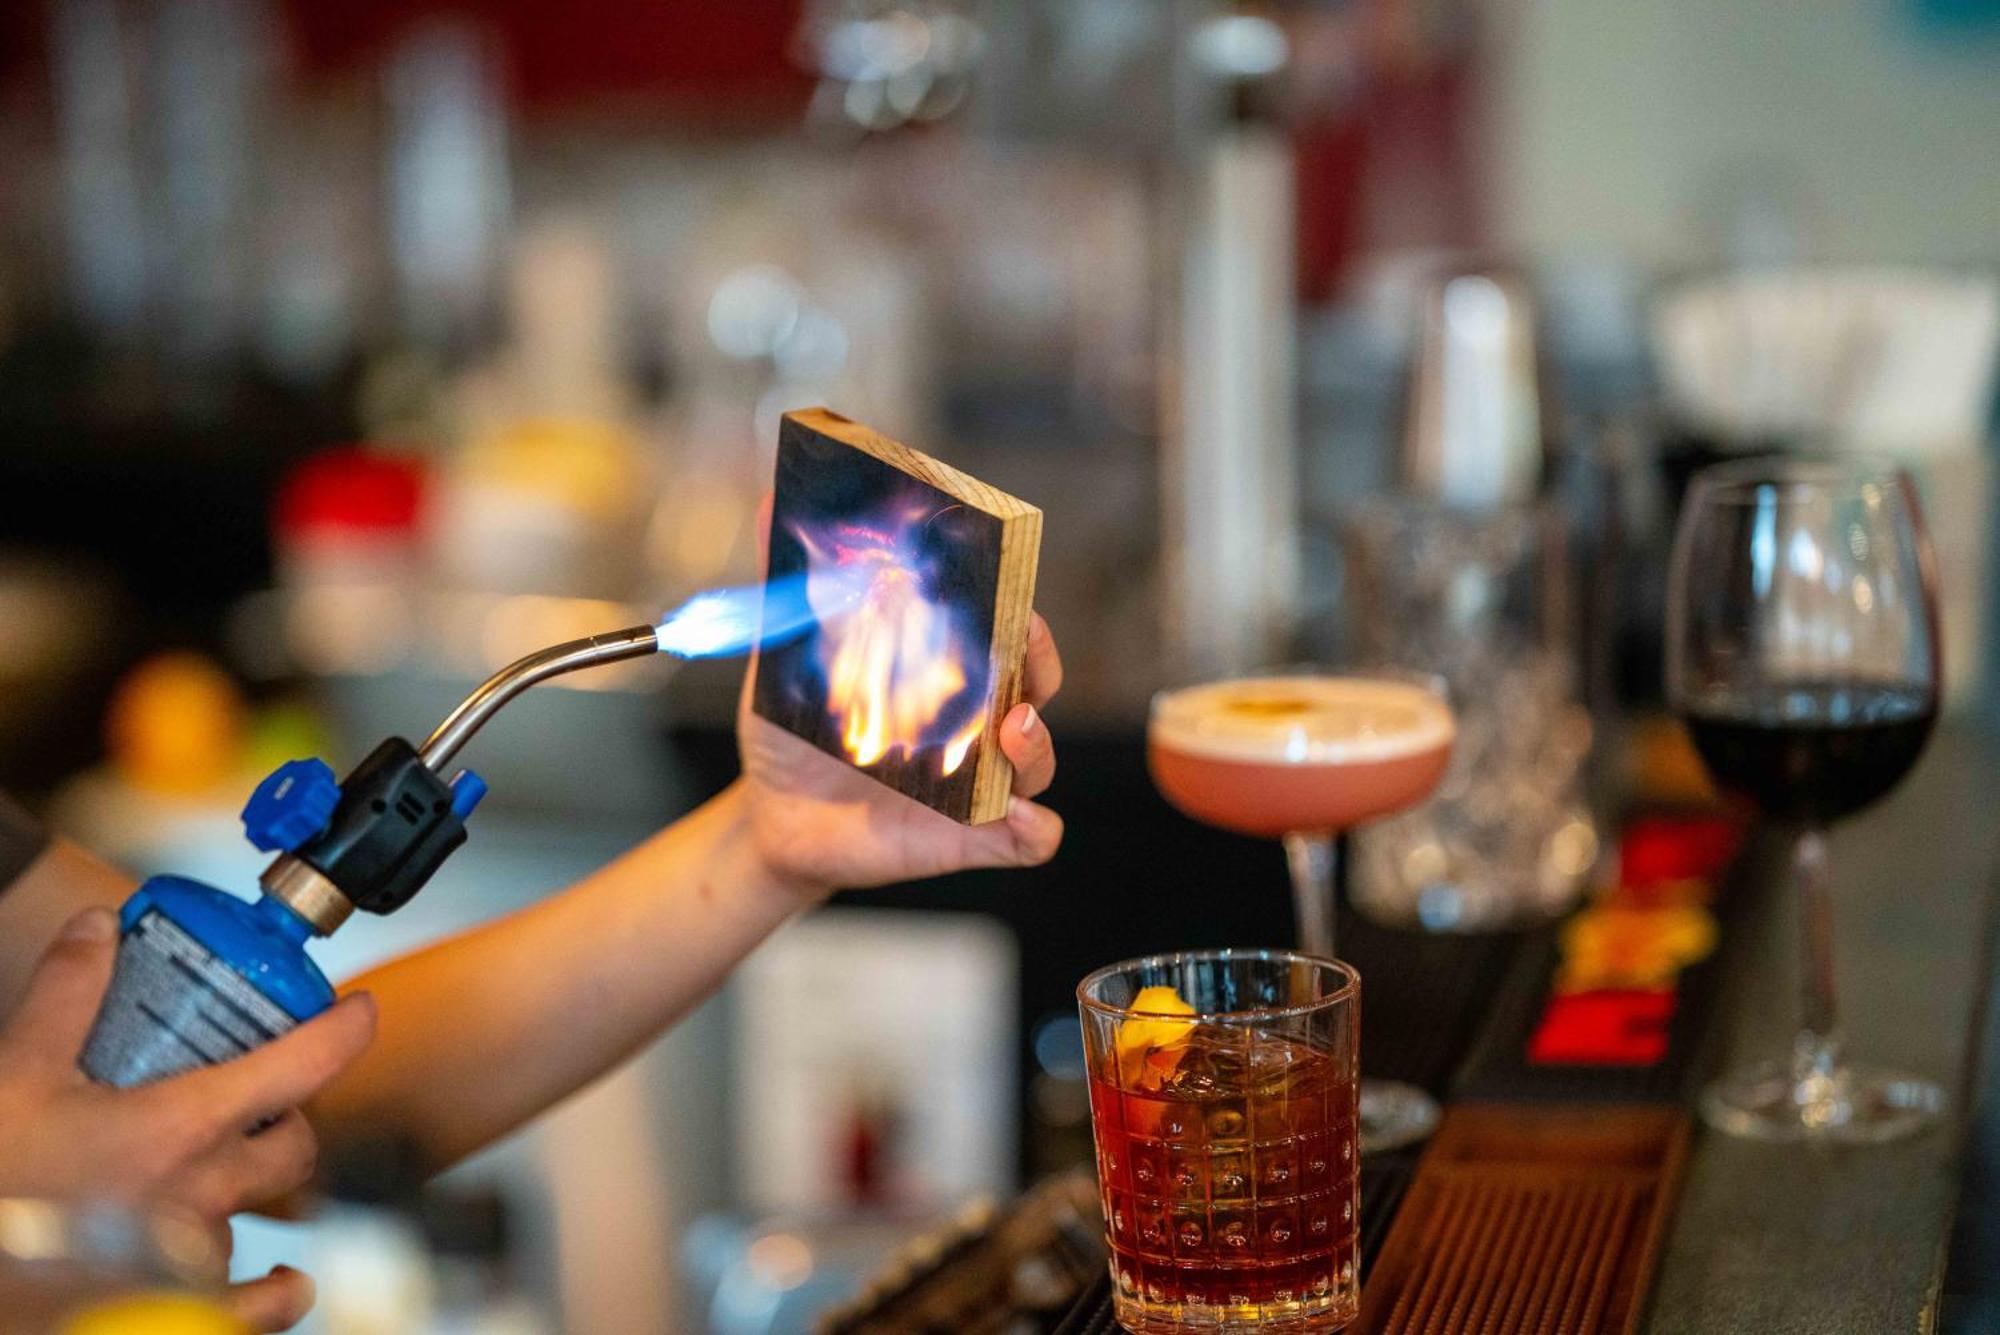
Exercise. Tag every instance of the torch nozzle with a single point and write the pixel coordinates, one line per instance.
(518, 676)
(720, 623)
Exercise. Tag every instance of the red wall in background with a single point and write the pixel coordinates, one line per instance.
(719, 55)
(1394, 171)
(716, 58)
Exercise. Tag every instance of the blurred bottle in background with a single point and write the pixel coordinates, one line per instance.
(1467, 572)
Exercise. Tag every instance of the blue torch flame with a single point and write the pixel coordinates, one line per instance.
(723, 623)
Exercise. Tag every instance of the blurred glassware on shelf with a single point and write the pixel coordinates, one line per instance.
(1898, 362)
(1484, 601)
(445, 179)
(1468, 572)
(439, 239)
(1473, 426)
(1229, 462)
(884, 64)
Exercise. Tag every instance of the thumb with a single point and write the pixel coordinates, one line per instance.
(264, 1082)
(61, 1002)
(1027, 837)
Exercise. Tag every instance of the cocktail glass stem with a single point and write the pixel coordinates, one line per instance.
(1314, 862)
(1392, 1114)
(1816, 1050)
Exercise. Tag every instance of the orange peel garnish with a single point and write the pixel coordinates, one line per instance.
(1149, 1046)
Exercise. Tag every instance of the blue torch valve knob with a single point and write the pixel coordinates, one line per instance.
(466, 790)
(293, 803)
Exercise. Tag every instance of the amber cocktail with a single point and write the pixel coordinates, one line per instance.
(1222, 1094)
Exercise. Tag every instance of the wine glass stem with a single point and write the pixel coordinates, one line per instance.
(1313, 860)
(1817, 1051)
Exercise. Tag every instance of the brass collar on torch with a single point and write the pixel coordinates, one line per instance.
(297, 885)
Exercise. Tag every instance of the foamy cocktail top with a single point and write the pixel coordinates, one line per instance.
(1302, 720)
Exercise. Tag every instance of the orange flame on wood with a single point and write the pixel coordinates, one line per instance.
(955, 749)
(896, 662)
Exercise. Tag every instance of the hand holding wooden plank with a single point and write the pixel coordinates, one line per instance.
(923, 579)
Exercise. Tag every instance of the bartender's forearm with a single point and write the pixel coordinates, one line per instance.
(480, 1032)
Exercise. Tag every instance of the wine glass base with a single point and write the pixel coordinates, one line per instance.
(1394, 1114)
(1854, 1105)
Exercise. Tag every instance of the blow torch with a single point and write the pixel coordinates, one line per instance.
(203, 975)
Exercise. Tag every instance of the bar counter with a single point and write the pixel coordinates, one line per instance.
(1759, 1239)
(1772, 1239)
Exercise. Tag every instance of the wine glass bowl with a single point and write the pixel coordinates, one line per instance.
(1802, 654)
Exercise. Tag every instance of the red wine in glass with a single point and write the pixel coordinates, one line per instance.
(1813, 752)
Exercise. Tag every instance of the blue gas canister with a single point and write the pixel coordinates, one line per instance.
(203, 975)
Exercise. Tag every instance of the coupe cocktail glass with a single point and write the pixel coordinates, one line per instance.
(1222, 1096)
(1302, 756)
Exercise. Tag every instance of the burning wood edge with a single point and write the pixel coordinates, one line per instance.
(924, 579)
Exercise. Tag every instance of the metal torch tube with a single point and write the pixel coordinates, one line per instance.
(518, 676)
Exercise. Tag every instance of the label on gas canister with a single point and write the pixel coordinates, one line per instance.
(174, 1005)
